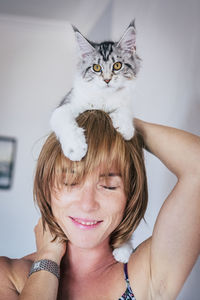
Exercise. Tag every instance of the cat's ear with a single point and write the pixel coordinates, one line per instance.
(128, 41)
(85, 48)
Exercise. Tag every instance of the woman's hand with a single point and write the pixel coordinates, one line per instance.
(46, 249)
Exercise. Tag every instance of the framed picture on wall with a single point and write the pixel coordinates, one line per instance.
(7, 158)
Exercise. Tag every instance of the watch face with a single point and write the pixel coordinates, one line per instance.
(45, 264)
(36, 265)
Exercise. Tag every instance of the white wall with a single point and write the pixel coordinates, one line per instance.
(37, 62)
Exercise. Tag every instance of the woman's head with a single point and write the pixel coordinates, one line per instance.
(106, 149)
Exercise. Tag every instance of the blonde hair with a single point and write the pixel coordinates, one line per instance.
(105, 148)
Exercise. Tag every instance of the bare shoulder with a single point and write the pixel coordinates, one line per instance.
(139, 270)
(13, 274)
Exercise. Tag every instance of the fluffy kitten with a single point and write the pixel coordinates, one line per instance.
(104, 80)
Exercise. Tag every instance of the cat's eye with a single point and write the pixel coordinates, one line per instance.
(117, 66)
(97, 68)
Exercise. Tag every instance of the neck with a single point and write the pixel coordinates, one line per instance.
(81, 262)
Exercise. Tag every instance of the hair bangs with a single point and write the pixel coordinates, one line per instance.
(104, 143)
(104, 146)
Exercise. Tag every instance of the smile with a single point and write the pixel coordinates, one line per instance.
(84, 223)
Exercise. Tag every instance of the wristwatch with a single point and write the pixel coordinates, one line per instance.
(46, 265)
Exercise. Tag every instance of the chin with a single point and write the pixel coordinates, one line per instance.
(85, 243)
(87, 239)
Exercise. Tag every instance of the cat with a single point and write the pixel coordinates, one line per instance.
(105, 80)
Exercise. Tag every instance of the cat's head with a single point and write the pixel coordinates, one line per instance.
(109, 64)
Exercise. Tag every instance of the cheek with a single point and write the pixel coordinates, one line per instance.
(56, 207)
(59, 203)
(59, 208)
(117, 207)
(115, 217)
(118, 77)
(98, 77)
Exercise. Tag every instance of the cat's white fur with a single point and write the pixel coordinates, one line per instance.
(115, 98)
(87, 96)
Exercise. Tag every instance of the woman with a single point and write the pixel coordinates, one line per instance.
(90, 207)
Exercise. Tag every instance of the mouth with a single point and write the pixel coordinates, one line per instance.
(85, 223)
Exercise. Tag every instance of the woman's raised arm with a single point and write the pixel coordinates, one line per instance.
(175, 243)
(177, 149)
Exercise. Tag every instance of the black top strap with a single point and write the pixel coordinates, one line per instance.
(126, 273)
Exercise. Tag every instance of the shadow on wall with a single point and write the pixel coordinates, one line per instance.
(191, 121)
(98, 32)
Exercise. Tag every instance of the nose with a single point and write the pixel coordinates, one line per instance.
(107, 80)
(88, 199)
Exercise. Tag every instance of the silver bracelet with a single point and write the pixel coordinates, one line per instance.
(46, 265)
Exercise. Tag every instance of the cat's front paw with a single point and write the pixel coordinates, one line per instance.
(74, 146)
(123, 125)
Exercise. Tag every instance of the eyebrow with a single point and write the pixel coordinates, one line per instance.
(111, 175)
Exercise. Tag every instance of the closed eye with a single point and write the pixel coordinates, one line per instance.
(109, 187)
(72, 184)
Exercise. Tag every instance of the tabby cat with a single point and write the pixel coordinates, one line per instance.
(105, 80)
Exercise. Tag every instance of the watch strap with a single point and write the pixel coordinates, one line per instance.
(46, 265)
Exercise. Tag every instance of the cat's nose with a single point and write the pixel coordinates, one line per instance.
(107, 80)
